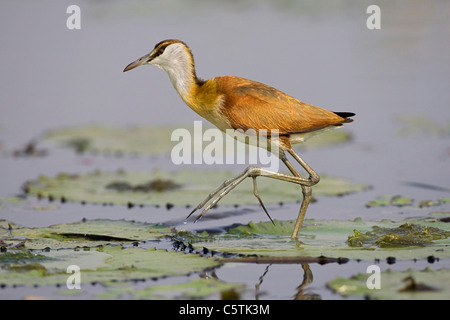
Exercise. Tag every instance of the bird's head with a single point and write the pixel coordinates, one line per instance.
(174, 57)
(167, 55)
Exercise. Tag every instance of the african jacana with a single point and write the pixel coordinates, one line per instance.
(235, 103)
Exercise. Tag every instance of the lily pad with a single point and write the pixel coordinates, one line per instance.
(327, 138)
(329, 238)
(96, 250)
(400, 201)
(106, 265)
(183, 187)
(397, 285)
(143, 139)
(443, 216)
(10, 201)
(388, 200)
(96, 138)
(20, 257)
(419, 125)
(89, 233)
(432, 203)
(194, 289)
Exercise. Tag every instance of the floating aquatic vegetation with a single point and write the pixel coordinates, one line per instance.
(431, 203)
(400, 201)
(194, 289)
(389, 200)
(10, 201)
(139, 140)
(106, 265)
(443, 216)
(30, 150)
(97, 247)
(419, 125)
(155, 185)
(333, 238)
(85, 234)
(396, 285)
(183, 187)
(16, 257)
(102, 139)
(405, 235)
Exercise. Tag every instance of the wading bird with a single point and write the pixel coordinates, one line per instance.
(235, 103)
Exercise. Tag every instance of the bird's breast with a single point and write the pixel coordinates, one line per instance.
(207, 102)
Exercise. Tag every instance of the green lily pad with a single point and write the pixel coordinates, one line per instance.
(45, 268)
(397, 285)
(389, 200)
(94, 254)
(327, 138)
(419, 125)
(142, 139)
(106, 265)
(332, 238)
(155, 263)
(194, 289)
(399, 201)
(20, 257)
(183, 187)
(433, 203)
(104, 139)
(443, 216)
(10, 201)
(89, 233)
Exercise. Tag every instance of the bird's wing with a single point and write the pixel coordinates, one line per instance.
(253, 105)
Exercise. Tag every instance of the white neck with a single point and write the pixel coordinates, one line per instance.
(178, 63)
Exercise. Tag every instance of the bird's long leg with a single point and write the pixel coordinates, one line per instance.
(254, 172)
(306, 190)
(255, 192)
(224, 185)
(224, 191)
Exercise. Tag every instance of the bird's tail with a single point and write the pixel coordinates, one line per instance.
(346, 116)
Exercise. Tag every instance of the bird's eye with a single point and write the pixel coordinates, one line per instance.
(160, 51)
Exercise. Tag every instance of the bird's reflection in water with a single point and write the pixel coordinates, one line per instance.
(307, 279)
(302, 293)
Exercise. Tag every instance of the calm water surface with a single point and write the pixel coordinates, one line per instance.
(317, 51)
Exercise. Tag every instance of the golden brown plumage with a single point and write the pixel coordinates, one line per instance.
(250, 104)
(245, 104)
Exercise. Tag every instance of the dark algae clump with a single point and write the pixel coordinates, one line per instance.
(158, 185)
(405, 235)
